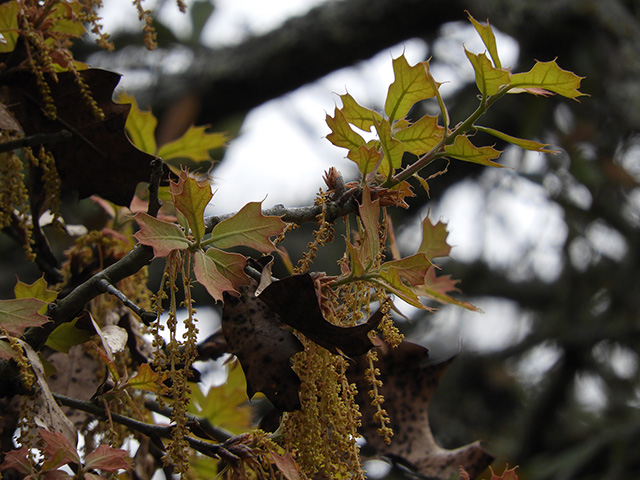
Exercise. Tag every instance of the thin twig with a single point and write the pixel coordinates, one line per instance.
(146, 317)
(154, 186)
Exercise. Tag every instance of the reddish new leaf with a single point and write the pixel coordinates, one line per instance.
(58, 451)
(409, 382)
(258, 338)
(108, 459)
(18, 460)
(295, 300)
(249, 228)
(162, 236)
(208, 275)
(18, 314)
(230, 265)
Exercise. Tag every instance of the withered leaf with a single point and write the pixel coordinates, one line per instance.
(295, 300)
(98, 158)
(409, 381)
(256, 336)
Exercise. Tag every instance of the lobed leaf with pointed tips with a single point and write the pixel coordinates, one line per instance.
(411, 85)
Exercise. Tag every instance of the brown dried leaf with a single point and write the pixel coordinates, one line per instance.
(409, 381)
(295, 300)
(257, 337)
(98, 158)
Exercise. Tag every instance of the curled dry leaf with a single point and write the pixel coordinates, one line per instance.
(295, 300)
(409, 381)
(258, 338)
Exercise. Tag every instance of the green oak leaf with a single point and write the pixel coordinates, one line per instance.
(434, 239)
(463, 149)
(357, 115)
(367, 157)
(140, 125)
(195, 145)
(66, 336)
(38, 289)
(391, 148)
(421, 136)
(520, 142)
(545, 78)
(411, 85)
(9, 26)
(488, 38)
(342, 135)
(489, 79)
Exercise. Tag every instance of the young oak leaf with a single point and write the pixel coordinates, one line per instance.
(9, 26)
(421, 136)
(392, 280)
(357, 115)
(230, 265)
(195, 145)
(226, 405)
(489, 79)
(147, 379)
(140, 125)
(342, 135)
(58, 450)
(163, 236)
(249, 228)
(434, 239)
(191, 198)
(410, 270)
(367, 157)
(547, 77)
(411, 85)
(392, 148)
(488, 38)
(108, 459)
(370, 217)
(438, 288)
(463, 149)
(18, 314)
(38, 289)
(520, 142)
(208, 275)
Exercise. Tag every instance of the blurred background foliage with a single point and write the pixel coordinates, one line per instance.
(548, 248)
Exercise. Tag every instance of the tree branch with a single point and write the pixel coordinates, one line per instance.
(33, 140)
(152, 431)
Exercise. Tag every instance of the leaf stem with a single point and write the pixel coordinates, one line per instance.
(438, 150)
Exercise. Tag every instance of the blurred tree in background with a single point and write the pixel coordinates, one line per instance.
(559, 398)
